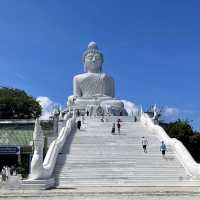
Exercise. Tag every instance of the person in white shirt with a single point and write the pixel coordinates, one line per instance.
(163, 148)
(144, 144)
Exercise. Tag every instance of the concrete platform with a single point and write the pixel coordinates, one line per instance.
(97, 193)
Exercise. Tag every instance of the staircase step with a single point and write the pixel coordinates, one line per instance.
(97, 158)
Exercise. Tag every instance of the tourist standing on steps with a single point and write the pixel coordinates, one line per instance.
(144, 144)
(113, 129)
(163, 148)
(79, 124)
(7, 172)
(118, 120)
(118, 127)
(78, 113)
(3, 174)
(12, 170)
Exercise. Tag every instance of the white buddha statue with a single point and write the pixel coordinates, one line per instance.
(94, 88)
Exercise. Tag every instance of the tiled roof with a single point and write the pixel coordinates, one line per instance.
(15, 137)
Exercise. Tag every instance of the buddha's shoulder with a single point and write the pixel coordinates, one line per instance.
(80, 77)
(107, 77)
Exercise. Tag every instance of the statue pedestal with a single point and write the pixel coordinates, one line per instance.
(99, 105)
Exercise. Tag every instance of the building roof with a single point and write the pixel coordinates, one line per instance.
(15, 137)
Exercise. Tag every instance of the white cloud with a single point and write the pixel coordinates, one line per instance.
(169, 111)
(130, 107)
(170, 114)
(48, 107)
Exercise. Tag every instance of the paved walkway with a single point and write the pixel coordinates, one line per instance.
(105, 193)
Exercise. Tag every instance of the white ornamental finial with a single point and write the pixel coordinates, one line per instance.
(141, 110)
(37, 160)
(38, 138)
(61, 116)
(155, 111)
(37, 133)
(154, 108)
(92, 45)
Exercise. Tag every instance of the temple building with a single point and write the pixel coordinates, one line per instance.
(16, 143)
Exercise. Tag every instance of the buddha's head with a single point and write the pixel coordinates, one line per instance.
(92, 59)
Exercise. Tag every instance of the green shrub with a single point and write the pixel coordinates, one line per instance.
(16, 104)
(183, 131)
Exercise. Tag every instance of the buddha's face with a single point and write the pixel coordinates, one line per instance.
(93, 62)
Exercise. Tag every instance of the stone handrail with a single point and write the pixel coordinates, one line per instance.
(43, 169)
(188, 162)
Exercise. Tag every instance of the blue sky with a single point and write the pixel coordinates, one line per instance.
(151, 48)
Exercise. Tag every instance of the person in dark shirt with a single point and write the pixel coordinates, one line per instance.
(113, 129)
(79, 124)
(118, 127)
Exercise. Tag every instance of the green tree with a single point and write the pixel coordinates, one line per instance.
(16, 104)
(183, 131)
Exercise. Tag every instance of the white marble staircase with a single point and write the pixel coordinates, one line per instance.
(95, 157)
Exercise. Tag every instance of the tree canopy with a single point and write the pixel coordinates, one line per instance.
(183, 131)
(16, 104)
